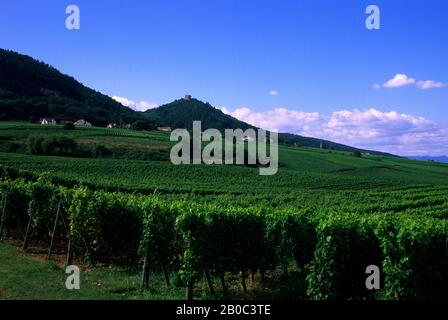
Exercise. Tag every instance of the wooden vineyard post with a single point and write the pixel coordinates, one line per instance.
(27, 234)
(209, 281)
(69, 261)
(252, 278)
(223, 284)
(3, 217)
(263, 277)
(189, 289)
(144, 283)
(243, 281)
(54, 230)
(166, 275)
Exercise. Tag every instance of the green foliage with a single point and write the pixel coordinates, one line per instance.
(34, 89)
(182, 113)
(84, 208)
(103, 223)
(120, 222)
(69, 126)
(140, 125)
(192, 225)
(189, 238)
(300, 235)
(101, 151)
(42, 204)
(416, 258)
(219, 240)
(346, 246)
(52, 146)
(16, 196)
(159, 232)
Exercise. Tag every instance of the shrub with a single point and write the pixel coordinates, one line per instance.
(69, 126)
(143, 125)
(101, 151)
(52, 146)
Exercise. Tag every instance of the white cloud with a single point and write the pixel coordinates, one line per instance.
(137, 106)
(123, 101)
(273, 93)
(386, 131)
(377, 86)
(430, 84)
(143, 106)
(402, 80)
(390, 131)
(280, 118)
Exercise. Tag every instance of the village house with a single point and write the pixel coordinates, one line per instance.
(83, 123)
(112, 126)
(48, 121)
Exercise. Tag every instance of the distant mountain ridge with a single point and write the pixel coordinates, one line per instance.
(33, 89)
(443, 159)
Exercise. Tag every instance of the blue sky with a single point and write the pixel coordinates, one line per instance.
(330, 74)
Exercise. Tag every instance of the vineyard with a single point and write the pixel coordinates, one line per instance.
(212, 241)
(325, 216)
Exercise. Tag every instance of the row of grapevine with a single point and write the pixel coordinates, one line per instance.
(411, 251)
(211, 241)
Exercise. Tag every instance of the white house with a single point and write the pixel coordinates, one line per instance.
(48, 121)
(165, 129)
(83, 123)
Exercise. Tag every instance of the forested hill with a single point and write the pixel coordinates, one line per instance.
(181, 114)
(30, 88)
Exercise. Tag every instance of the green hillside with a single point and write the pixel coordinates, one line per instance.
(30, 88)
(181, 114)
(299, 167)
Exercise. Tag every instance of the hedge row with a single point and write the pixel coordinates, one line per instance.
(194, 241)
